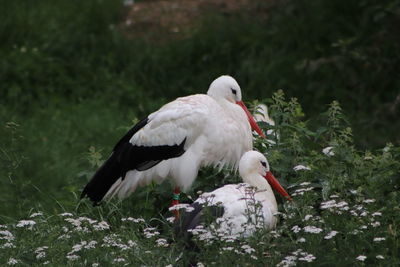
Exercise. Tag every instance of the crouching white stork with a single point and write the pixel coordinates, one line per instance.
(175, 141)
(240, 208)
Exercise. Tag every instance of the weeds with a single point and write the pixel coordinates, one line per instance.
(343, 211)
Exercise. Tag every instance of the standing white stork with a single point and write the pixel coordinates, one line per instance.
(241, 208)
(175, 141)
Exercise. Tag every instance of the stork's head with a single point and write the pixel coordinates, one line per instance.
(226, 87)
(253, 163)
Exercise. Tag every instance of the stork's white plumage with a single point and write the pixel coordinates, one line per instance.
(178, 139)
(261, 115)
(247, 206)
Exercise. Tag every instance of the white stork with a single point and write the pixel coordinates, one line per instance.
(175, 141)
(240, 208)
(261, 115)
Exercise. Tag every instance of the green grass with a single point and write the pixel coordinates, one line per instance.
(71, 85)
(353, 193)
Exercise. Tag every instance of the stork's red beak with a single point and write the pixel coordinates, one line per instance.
(276, 185)
(252, 122)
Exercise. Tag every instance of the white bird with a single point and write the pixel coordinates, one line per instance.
(245, 207)
(261, 115)
(175, 141)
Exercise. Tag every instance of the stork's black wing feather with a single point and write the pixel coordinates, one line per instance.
(125, 139)
(126, 157)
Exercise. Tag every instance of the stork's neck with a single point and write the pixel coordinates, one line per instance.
(225, 104)
(263, 187)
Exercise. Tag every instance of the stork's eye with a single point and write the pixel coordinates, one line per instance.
(264, 164)
(233, 91)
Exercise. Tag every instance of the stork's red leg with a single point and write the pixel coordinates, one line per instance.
(175, 200)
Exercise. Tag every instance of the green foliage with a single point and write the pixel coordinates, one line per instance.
(345, 202)
(71, 84)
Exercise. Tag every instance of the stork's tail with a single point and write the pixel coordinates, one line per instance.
(103, 180)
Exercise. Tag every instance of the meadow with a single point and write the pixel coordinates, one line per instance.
(72, 83)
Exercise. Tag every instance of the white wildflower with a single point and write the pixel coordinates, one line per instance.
(301, 191)
(364, 213)
(312, 229)
(296, 229)
(199, 264)
(101, 226)
(150, 232)
(341, 204)
(169, 265)
(361, 258)
(91, 244)
(135, 220)
(40, 252)
(379, 239)
(369, 201)
(304, 183)
(132, 243)
(197, 230)
(74, 222)
(46, 262)
(8, 245)
(328, 151)
(64, 236)
(363, 227)
(354, 192)
(248, 249)
(307, 217)
(354, 213)
(375, 224)
(301, 167)
(96, 264)
(333, 196)
(355, 232)
(227, 248)
(187, 207)
(119, 260)
(78, 247)
(238, 252)
(28, 223)
(301, 240)
(288, 261)
(6, 235)
(12, 261)
(170, 219)
(380, 257)
(377, 213)
(307, 258)
(275, 234)
(83, 219)
(72, 257)
(328, 204)
(33, 215)
(331, 234)
(66, 214)
(162, 242)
